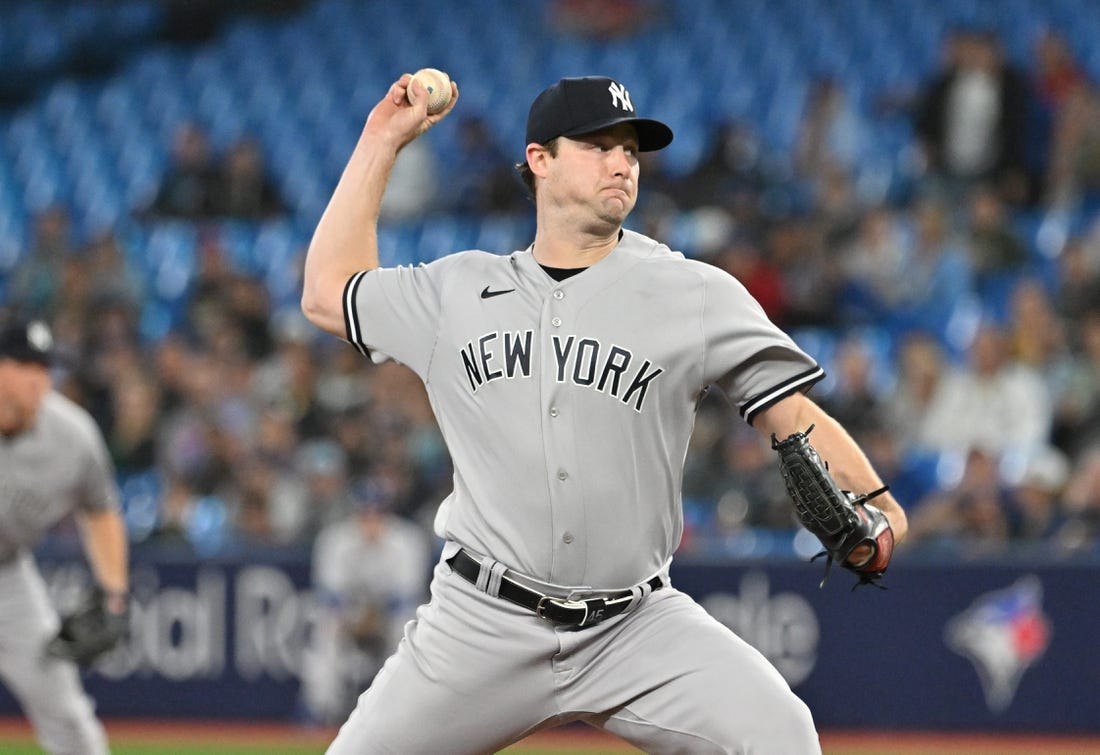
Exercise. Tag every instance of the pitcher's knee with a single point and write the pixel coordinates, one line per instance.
(787, 730)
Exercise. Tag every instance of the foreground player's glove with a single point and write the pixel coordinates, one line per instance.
(95, 627)
(841, 520)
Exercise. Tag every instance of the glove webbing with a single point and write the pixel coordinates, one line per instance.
(864, 578)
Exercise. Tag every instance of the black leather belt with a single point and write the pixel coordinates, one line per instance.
(573, 613)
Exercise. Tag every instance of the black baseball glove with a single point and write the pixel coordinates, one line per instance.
(95, 627)
(841, 520)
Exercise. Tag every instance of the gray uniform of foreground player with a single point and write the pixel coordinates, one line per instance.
(567, 407)
(58, 466)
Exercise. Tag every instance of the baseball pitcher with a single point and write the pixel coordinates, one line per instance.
(565, 378)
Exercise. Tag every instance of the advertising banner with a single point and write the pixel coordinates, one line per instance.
(976, 646)
(946, 647)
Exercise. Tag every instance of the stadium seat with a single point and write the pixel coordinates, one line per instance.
(276, 253)
(12, 236)
(238, 238)
(169, 254)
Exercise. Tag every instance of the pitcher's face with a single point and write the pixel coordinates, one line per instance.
(594, 176)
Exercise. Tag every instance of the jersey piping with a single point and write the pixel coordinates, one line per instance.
(801, 382)
(351, 316)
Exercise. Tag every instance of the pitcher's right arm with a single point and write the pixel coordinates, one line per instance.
(346, 238)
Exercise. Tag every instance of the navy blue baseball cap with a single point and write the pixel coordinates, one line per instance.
(27, 341)
(577, 106)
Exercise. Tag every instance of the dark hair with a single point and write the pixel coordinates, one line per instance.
(524, 169)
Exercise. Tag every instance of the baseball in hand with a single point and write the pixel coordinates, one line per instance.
(438, 85)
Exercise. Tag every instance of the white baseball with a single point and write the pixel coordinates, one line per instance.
(438, 85)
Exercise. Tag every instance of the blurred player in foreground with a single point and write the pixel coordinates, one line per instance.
(53, 462)
(565, 378)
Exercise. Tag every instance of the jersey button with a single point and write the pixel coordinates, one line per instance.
(567, 538)
(554, 411)
(559, 294)
(562, 474)
(556, 322)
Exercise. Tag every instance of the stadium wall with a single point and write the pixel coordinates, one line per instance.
(981, 646)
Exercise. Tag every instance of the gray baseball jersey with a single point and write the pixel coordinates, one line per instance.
(567, 407)
(58, 466)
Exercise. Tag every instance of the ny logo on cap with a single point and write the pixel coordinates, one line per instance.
(39, 336)
(620, 97)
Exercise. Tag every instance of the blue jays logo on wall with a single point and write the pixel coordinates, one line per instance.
(1003, 633)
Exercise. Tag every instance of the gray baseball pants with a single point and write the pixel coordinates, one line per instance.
(48, 689)
(475, 673)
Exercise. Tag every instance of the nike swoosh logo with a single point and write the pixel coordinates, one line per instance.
(487, 294)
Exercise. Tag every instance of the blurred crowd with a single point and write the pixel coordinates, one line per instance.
(957, 315)
(243, 424)
(964, 359)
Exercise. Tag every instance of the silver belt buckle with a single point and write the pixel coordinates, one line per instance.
(540, 609)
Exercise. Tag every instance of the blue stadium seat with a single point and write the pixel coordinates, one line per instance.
(169, 255)
(238, 238)
(36, 46)
(265, 102)
(130, 19)
(276, 253)
(117, 110)
(99, 213)
(44, 183)
(12, 230)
